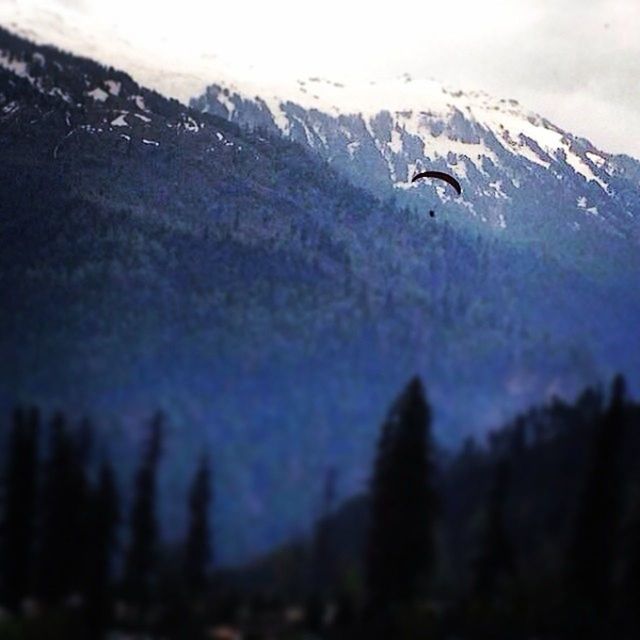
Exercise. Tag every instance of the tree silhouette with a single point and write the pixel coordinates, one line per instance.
(496, 562)
(400, 549)
(198, 552)
(20, 506)
(592, 550)
(102, 521)
(321, 560)
(141, 555)
(630, 600)
(321, 557)
(63, 507)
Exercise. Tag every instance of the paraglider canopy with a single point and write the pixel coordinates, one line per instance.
(440, 175)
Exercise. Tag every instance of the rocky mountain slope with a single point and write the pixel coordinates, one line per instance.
(523, 178)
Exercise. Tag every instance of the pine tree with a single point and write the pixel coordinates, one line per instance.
(63, 508)
(102, 522)
(400, 550)
(591, 553)
(141, 555)
(20, 506)
(630, 592)
(496, 562)
(322, 543)
(198, 553)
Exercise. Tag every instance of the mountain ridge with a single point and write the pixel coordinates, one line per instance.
(494, 147)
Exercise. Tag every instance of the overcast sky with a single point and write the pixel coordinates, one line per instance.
(575, 61)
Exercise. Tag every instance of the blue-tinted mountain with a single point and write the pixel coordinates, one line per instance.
(154, 256)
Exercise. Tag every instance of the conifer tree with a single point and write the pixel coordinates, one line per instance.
(102, 522)
(400, 550)
(20, 506)
(496, 562)
(630, 600)
(591, 554)
(141, 555)
(321, 559)
(198, 552)
(63, 507)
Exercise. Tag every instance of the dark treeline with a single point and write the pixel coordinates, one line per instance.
(63, 539)
(532, 534)
(574, 576)
(535, 534)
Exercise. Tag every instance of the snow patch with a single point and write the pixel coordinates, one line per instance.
(120, 121)
(59, 93)
(19, 67)
(517, 123)
(307, 133)
(497, 187)
(581, 202)
(98, 94)
(190, 124)
(527, 152)
(396, 141)
(597, 159)
(139, 102)
(581, 167)
(114, 87)
(226, 102)
(419, 124)
(318, 131)
(518, 145)
(10, 108)
(278, 113)
(470, 208)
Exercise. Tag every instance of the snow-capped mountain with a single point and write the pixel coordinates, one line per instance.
(152, 254)
(520, 174)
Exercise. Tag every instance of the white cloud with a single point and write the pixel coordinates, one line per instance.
(576, 62)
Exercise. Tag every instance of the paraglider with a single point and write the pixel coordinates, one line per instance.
(440, 175)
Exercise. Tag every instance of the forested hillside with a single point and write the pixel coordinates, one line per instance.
(153, 255)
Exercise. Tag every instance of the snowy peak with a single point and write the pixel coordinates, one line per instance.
(422, 108)
(507, 158)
